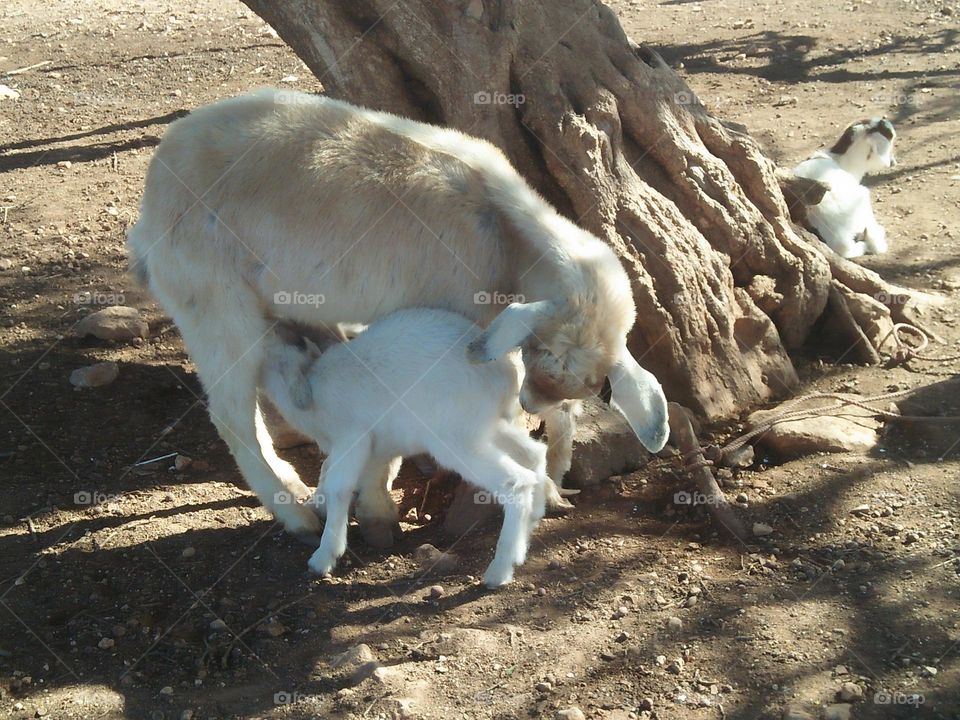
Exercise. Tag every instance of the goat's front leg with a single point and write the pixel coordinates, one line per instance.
(341, 475)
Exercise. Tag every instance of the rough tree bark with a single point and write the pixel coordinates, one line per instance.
(724, 282)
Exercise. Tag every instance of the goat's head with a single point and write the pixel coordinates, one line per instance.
(866, 146)
(569, 346)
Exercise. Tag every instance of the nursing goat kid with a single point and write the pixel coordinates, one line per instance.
(313, 211)
(403, 387)
(844, 219)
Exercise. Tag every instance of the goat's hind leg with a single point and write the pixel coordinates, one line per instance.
(375, 510)
(223, 334)
(341, 475)
(513, 486)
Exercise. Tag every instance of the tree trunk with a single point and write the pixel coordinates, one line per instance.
(724, 282)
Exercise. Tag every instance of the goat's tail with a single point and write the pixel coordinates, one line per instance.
(137, 267)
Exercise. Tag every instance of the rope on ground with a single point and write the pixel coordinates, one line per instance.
(905, 351)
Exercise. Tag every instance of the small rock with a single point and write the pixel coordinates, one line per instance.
(675, 667)
(646, 704)
(188, 552)
(910, 538)
(218, 625)
(6, 263)
(117, 322)
(928, 671)
(182, 462)
(543, 687)
(621, 612)
(674, 624)
(106, 643)
(96, 375)
(850, 692)
(166, 690)
(8, 93)
(273, 628)
(65, 164)
(353, 656)
(622, 637)
(762, 529)
(838, 711)
(570, 713)
(429, 558)
(435, 592)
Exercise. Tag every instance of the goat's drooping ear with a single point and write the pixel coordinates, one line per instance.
(638, 395)
(508, 330)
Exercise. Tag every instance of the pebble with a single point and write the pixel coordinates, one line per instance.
(674, 624)
(910, 538)
(106, 643)
(928, 671)
(543, 687)
(96, 375)
(182, 462)
(435, 592)
(851, 692)
(570, 713)
(166, 690)
(622, 611)
(675, 667)
(761, 529)
(646, 704)
(8, 93)
(218, 625)
(188, 552)
(6, 263)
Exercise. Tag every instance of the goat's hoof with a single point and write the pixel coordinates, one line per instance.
(379, 533)
(299, 520)
(559, 506)
(494, 578)
(307, 538)
(321, 566)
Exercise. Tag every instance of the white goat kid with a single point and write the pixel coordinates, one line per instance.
(844, 219)
(314, 211)
(402, 387)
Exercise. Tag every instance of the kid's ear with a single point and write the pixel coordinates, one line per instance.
(509, 329)
(638, 395)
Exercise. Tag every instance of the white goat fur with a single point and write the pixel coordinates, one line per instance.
(280, 192)
(403, 387)
(844, 219)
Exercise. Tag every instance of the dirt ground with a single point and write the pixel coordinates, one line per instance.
(146, 592)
